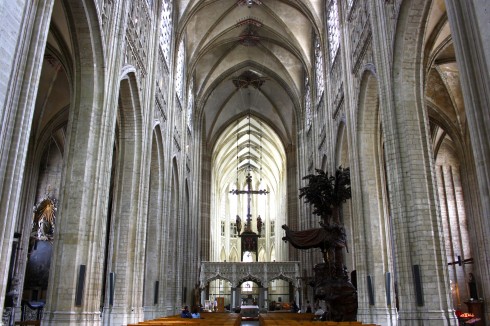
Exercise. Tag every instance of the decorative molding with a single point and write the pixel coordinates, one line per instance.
(322, 137)
(338, 108)
(249, 3)
(177, 139)
(107, 9)
(159, 113)
(260, 272)
(139, 25)
(249, 21)
(360, 32)
(249, 36)
(249, 78)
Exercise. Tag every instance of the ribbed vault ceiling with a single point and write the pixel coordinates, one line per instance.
(248, 146)
(270, 39)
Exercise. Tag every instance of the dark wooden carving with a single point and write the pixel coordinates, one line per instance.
(331, 281)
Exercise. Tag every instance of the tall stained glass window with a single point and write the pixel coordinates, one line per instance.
(190, 103)
(166, 29)
(307, 102)
(333, 29)
(320, 82)
(179, 73)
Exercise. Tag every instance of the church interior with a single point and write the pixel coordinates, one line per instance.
(153, 152)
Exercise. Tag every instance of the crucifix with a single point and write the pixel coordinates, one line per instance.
(249, 192)
(249, 238)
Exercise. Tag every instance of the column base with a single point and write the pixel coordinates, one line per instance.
(65, 318)
(379, 316)
(118, 316)
(427, 318)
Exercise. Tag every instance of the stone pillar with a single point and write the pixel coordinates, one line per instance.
(204, 295)
(296, 295)
(470, 23)
(238, 298)
(266, 299)
(81, 227)
(261, 302)
(25, 26)
(418, 246)
(233, 298)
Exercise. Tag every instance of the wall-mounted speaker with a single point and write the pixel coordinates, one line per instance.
(370, 290)
(155, 292)
(388, 287)
(417, 279)
(80, 286)
(112, 276)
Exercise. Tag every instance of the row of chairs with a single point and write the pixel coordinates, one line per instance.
(273, 319)
(207, 319)
(311, 323)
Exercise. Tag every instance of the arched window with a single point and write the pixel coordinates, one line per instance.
(307, 103)
(320, 82)
(333, 29)
(190, 103)
(166, 29)
(179, 74)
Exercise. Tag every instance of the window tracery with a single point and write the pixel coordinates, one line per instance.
(307, 103)
(166, 29)
(179, 75)
(333, 29)
(320, 82)
(190, 103)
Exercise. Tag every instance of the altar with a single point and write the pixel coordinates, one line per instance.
(250, 312)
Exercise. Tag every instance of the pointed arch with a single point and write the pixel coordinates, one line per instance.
(408, 158)
(233, 257)
(154, 230)
(372, 225)
(127, 202)
(84, 212)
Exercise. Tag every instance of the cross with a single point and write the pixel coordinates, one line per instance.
(249, 192)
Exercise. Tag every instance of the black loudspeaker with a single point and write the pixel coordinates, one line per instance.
(388, 287)
(80, 285)
(370, 290)
(155, 292)
(417, 279)
(111, 288)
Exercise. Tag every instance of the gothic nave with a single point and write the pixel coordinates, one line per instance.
(152, 150)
